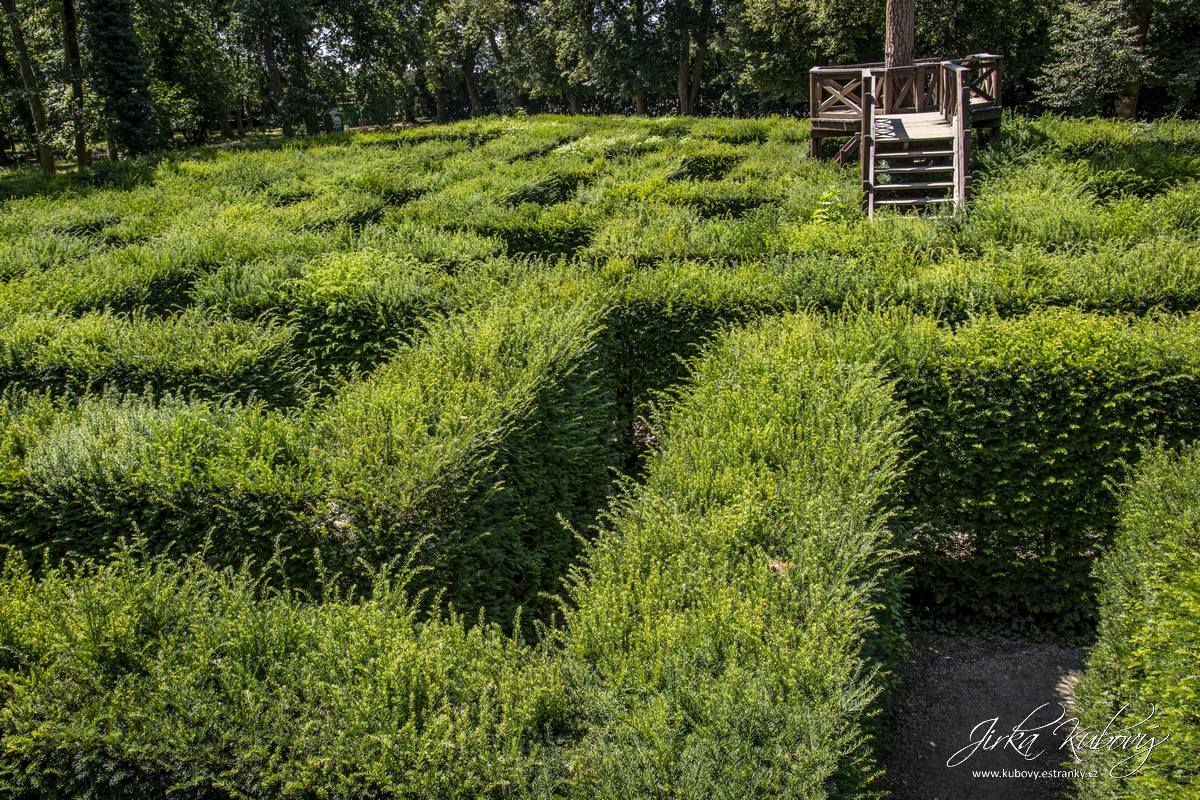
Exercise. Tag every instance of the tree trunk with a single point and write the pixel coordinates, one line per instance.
(45, 156)
(682, 89)
(83, 156)
(639, 104)
(275, 81)
(241, 117)
(575, 104)
(1127, 98)
(697, 75)
(901, 31)
(10, 76)
(226, 128)
(439, 99)
(468, 72)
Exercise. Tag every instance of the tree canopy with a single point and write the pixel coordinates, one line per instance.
(136, 75)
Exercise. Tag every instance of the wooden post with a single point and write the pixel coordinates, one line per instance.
(901, 32)
(814, 109)
(867, 144)
(964, 125)
(962, 102)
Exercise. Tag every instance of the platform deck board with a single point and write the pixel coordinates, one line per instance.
(912, 127)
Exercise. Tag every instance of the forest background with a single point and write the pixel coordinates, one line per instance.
(134, 76)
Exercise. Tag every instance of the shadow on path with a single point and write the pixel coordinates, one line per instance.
(951, 686)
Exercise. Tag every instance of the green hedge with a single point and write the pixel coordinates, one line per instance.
(189, 354)
(723, 631)
(478, 436)
(1144, 661)
(1019, 426)
(717, 624)
(156, 276)
(663, 315)
(146, 678)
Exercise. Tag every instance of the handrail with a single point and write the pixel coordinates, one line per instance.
(956, 109)
(867, 144)
(870, 65)
(953, 77)
(835, 92)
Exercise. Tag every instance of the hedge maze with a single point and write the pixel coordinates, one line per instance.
(579, 457)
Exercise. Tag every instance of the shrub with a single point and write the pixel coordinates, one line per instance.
(478, 435)
(143, 678)
(716, 626)
(724, 631)
(189, 354)
(1019, 426)
(1143, 663)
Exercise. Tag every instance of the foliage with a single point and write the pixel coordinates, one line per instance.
(1097, 54)
(169, 74)
(478, 436)
(723, 608)
(1144, 660)
(715, 633)
(118, 72)
(1019, 427)
(452, 340)
(143, 677)
(188, 354)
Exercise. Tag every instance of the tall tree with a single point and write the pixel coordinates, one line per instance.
(696, 25)
(118, 73)
(191, 74)
(32, 91)
(1099, 55)
(1019, 30)
(901, 33)
(74, 65)
(1127, 96)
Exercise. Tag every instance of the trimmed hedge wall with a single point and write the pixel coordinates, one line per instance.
(723, 631)
(188, 354)
(473, 440)
(1018, 425)
(148, 679)
(716, 627)
(1018, 428)
(1144, 661)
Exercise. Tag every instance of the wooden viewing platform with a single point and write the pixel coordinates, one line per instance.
(909, 126)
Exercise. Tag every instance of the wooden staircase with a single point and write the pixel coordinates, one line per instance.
(915, 159)
(903, 176)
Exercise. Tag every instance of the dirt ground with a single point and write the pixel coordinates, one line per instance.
(951, 686)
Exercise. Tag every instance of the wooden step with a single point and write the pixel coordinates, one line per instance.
(917, 185)
(914, 170)
(913, 154)
(913, 201)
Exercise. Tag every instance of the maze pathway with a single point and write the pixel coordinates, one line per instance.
(954, 684)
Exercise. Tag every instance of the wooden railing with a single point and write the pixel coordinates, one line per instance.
(836, 93)
(956, 109)
(867, 144)
(910, 89)
(985, 83)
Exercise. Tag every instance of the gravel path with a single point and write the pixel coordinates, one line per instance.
(953, 684)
